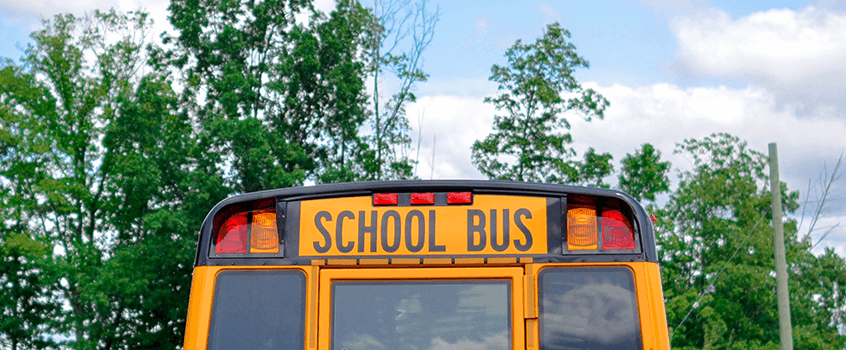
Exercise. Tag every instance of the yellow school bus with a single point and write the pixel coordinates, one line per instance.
(427, 265)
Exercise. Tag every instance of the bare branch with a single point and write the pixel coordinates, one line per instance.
(831, 229)
(826, 189)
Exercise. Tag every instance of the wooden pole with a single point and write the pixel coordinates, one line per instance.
(785, 328)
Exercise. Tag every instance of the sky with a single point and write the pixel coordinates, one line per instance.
(765, 71)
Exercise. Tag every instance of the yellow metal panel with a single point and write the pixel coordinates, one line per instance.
(311, 315)
(373, 262)
(340, 262)
(468, 261)
(202, 296)
(346, 227)
(531, 309)
(515, 275)
(511, 260)
(437, 261)
(400, 261)
(532, 334)
(656, 300)
(199, 309)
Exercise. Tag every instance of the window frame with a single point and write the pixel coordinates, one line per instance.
(514, 275)
(642, 312)
(300, 274)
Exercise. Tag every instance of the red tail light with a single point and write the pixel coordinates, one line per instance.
(385, 199)
(616, 231)
(258, 225)
(422, 198)
(459, 198)
(232, 236)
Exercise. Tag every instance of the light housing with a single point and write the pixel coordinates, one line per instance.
(422, 198)
(232, 236)
(616, 230)
(264, 237)
(385, 199)
(248, 231)
(459, 198)
(582, 232)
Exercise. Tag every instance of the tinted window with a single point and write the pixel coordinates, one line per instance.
(258, 310)
(588, 308)
(421, 315)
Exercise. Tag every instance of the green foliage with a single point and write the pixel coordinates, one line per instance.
(530, 142)
(93, 146)
(110, 170)
(27, 306)
(106, 171)
(233, 55)
(643, 174)
(716, 243)
(398, 33)
(594, 168)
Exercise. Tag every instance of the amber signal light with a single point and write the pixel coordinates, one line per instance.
(584, 228)
(259, 225)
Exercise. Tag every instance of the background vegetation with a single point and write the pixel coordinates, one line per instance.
(113, 146)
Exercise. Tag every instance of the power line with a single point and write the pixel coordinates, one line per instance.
(717, 276)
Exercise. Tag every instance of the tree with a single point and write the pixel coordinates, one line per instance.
(95, 164)
(643, 174)
(386, 154)
(27, 306)
(328, 70)
(716, 251)
(531, 141)
(594, 168)
(284, 102)
(231, 54)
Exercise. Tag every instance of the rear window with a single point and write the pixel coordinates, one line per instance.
(588, 308)
(425, 315)
(258, 310)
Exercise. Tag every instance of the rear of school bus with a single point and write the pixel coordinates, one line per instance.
(427, 265)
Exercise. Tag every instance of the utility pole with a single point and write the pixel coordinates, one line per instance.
(785, 328)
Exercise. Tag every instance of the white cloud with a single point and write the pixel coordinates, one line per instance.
(549, 13)
(456, 122)
(325, 5)
(30, 12)
(674, 8)
(798, 55)
(482, 26)
(661, 114)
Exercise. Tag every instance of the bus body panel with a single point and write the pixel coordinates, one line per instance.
(433, 246)
(202, 301)
(525, 328)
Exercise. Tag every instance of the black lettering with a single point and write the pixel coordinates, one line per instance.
(362, 228)
(517, 214)
(326, 237)
(433, 246)
(339, 230)
(393, 247)
(473, 228)
(505, 231)
(421, 231)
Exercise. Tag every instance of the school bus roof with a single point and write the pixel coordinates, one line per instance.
(340, 220)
